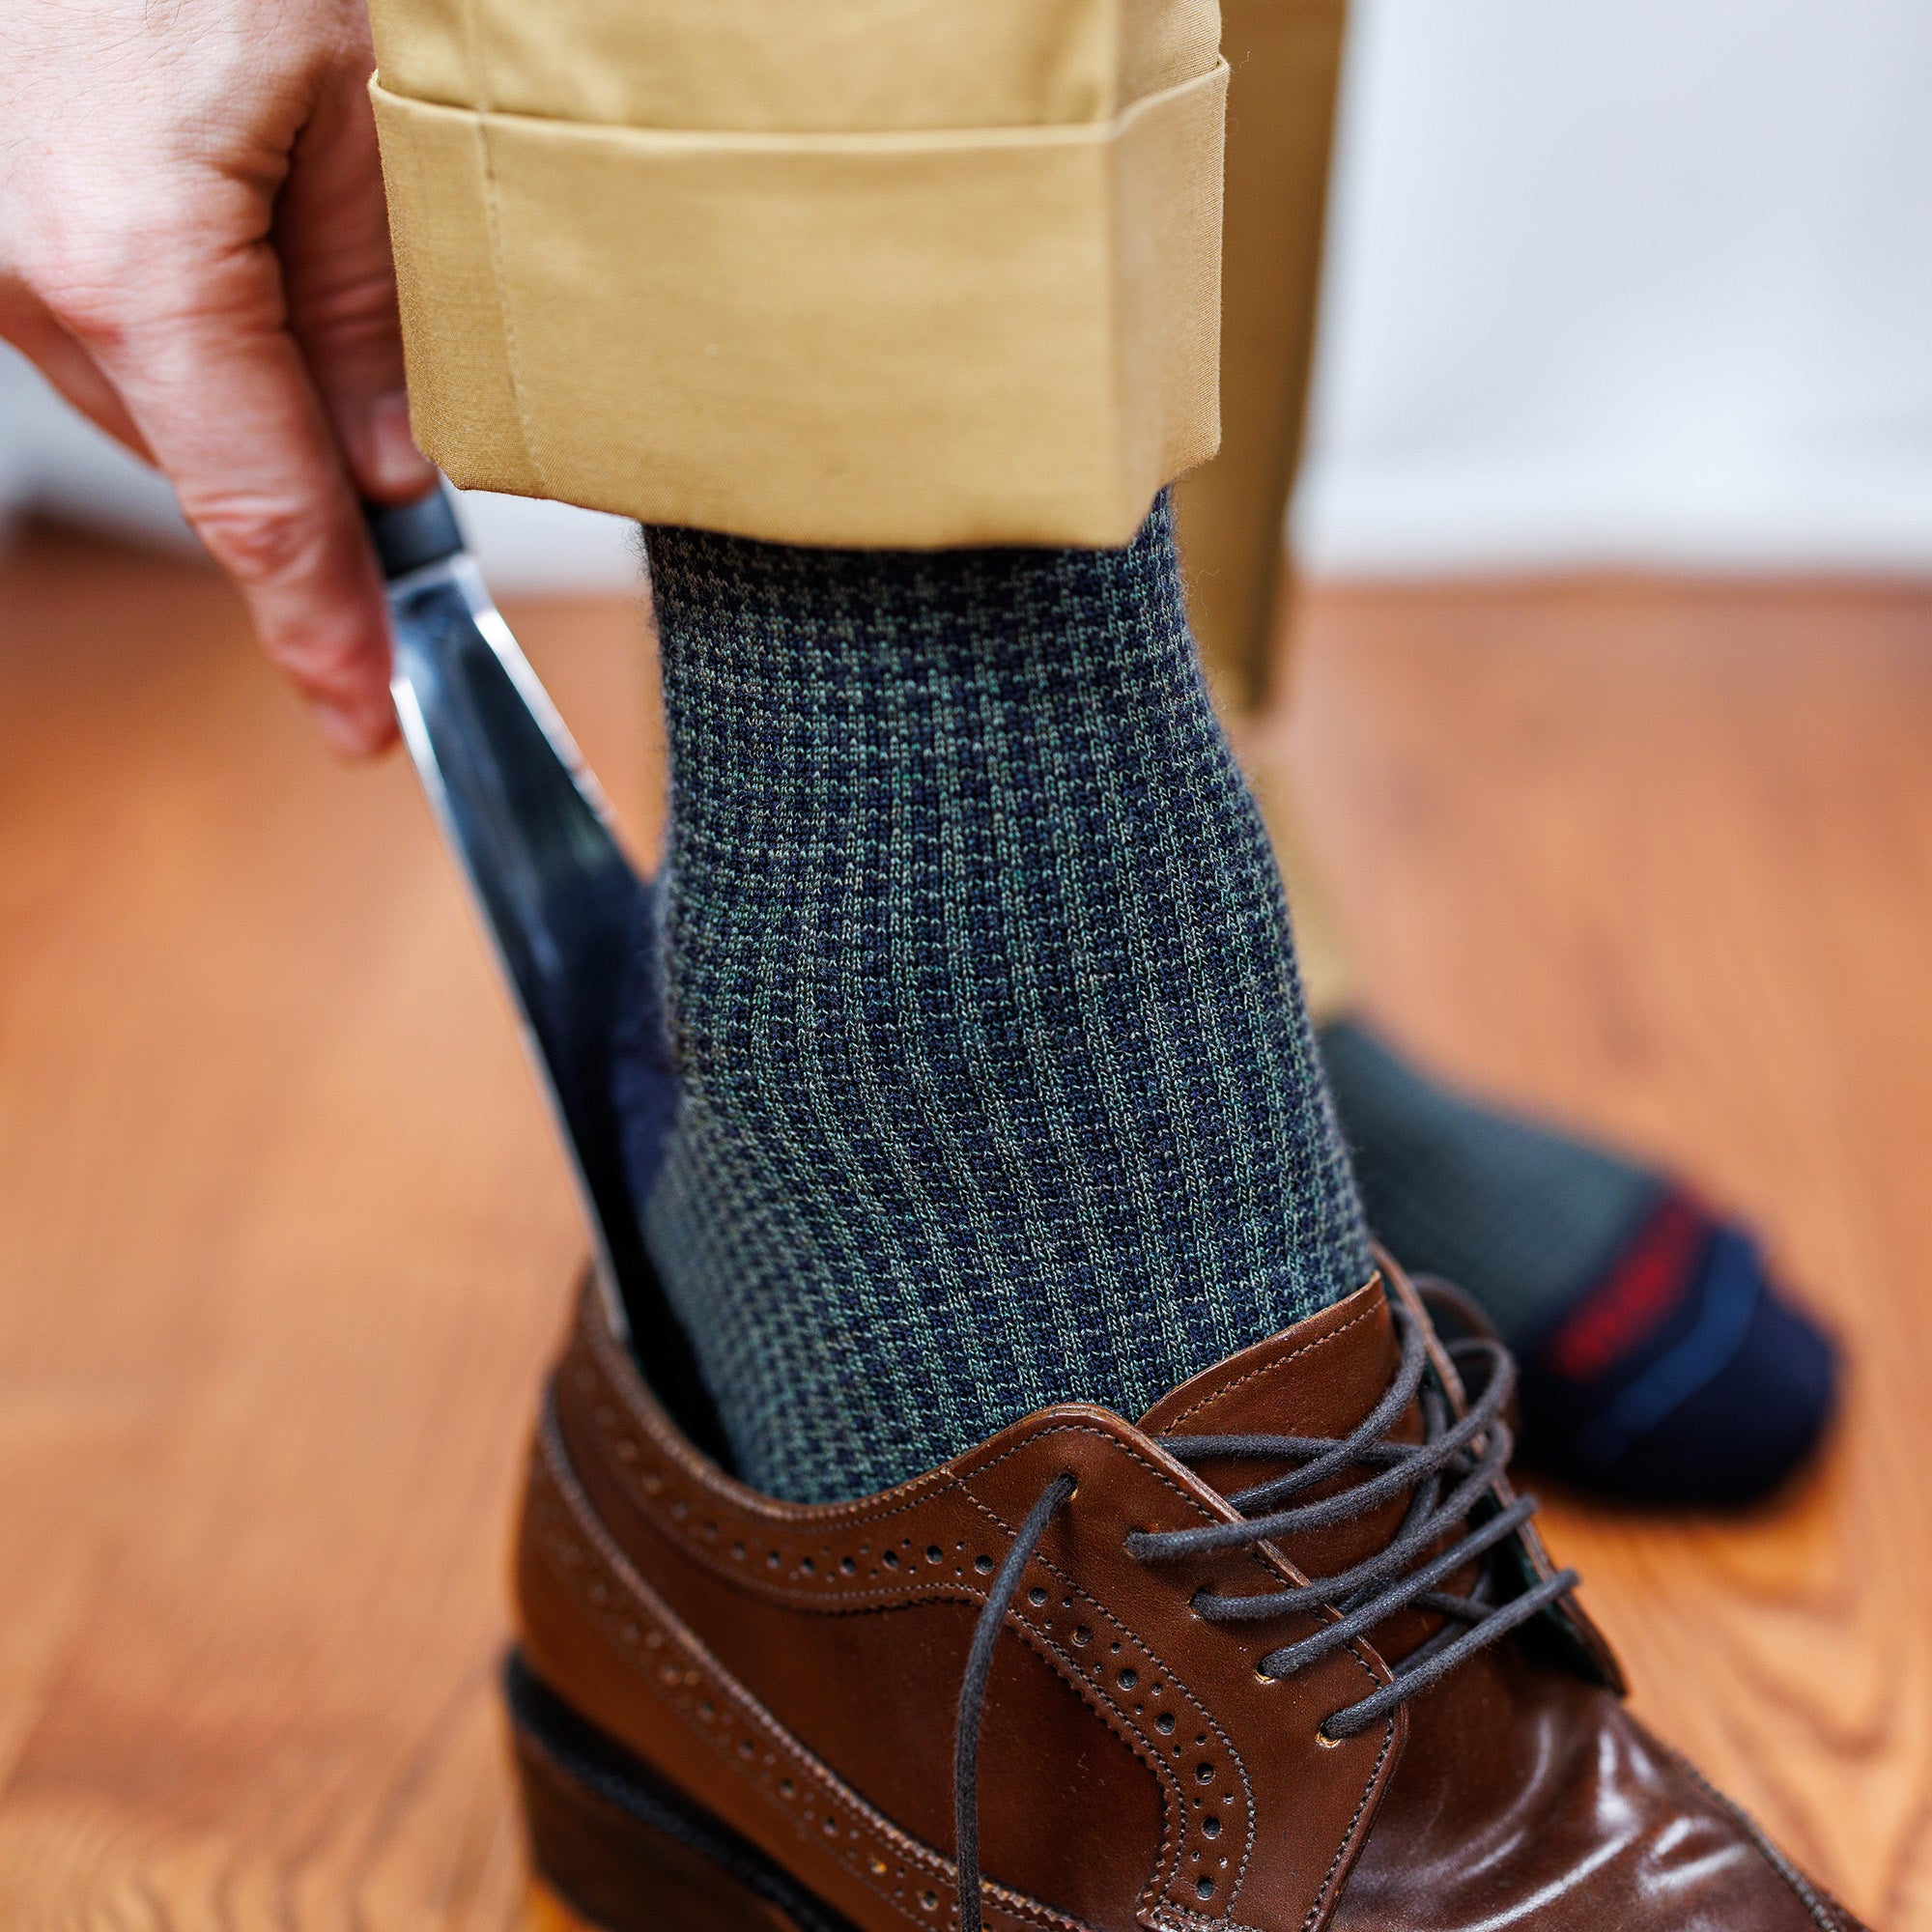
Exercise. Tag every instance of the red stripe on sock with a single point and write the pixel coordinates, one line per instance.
(1644, 1284)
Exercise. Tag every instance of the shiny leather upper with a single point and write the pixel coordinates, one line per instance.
(796, 1670)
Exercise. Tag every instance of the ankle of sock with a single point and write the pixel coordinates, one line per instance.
(996, 1084)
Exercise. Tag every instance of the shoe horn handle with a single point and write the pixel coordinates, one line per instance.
(411, 536)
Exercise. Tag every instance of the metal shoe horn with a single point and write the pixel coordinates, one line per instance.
(533, 837)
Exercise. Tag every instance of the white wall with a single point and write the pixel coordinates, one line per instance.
(1646, 283)
(1649, 283)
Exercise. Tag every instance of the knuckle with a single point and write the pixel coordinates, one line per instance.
(260, 541)
(349, 317)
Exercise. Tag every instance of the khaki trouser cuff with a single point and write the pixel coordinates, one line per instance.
(909, 338)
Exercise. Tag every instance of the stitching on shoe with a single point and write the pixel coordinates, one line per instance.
(1176, 1829)
(621, 1380)
(567, 1497)
(1362, 1804)
(893, 1506)
(1168, 1916)
(1268, 1368)
(1353, 1649)
(846, 1599)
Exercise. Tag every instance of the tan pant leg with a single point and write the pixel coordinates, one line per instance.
(1286, 57)
(887, 272)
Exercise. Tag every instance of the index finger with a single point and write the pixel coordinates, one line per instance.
(220, 393)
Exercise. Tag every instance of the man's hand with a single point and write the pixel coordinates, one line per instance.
(194, 248)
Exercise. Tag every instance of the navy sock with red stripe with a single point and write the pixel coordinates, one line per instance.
(1659, 1362)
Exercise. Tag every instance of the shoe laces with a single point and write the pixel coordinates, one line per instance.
(1451, 1476)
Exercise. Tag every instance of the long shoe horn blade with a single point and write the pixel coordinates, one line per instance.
(531, 833)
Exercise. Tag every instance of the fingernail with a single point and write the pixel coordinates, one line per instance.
(396, 464)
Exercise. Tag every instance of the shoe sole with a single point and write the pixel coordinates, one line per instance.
(625, 1852)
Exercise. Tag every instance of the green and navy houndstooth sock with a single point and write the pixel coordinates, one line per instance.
(996, 1084)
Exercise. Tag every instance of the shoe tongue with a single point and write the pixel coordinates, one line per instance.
(1320, 1378)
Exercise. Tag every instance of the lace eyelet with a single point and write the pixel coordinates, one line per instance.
(1326, 1742)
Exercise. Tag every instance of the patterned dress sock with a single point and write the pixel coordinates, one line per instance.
(1659, 1362)
(994, 1085)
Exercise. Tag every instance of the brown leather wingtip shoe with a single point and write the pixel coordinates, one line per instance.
(1086, 1666)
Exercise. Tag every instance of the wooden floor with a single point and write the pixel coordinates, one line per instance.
(283, 1238)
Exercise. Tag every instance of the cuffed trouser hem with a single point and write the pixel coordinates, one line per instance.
(906, 339)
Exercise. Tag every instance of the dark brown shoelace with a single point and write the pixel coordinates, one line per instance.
(1450, 1477)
